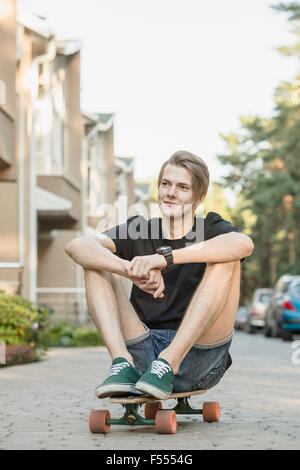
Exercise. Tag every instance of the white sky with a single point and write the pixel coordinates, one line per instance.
(176, 73)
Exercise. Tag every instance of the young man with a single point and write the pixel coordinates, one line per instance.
(174, 333)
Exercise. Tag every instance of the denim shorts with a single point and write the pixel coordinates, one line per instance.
(201, 369)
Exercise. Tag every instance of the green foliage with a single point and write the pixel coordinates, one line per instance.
(264, 172)
(22, 323)
(215, 201)
(26, 332)
(291, 8)
(63, 334)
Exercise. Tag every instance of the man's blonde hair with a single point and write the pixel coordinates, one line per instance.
(196, 167)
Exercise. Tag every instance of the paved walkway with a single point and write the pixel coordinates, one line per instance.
(46, 405)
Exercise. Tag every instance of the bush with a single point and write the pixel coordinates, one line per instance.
(63, 334)
(21, 323)
(25, 330)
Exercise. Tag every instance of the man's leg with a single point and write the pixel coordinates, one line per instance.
(112, 312)
(211, 313)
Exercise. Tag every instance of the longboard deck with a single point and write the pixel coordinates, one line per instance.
(147, 398)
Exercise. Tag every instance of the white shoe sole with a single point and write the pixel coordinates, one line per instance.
(116, 390)
(151, 390)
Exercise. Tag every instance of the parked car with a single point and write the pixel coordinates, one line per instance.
(257, 309)
(283, 315)
(241, 317)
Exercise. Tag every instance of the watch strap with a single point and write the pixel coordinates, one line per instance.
(169, 258)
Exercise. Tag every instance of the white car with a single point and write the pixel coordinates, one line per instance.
(256, 317)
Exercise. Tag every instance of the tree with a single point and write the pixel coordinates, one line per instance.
(265, 175)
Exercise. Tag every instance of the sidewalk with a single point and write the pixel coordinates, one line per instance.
(46, 405)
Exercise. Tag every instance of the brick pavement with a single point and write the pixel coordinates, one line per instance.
(46, 405)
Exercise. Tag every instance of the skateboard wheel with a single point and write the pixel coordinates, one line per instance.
(152, 408)
(165, 422)
(211, 411)
(97, 421)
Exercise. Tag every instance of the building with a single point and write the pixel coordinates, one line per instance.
(57, 164)
(99, 187)
(13, 204)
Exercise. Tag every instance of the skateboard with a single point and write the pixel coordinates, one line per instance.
(164, 420)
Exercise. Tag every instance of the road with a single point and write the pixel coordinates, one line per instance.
(46, 405)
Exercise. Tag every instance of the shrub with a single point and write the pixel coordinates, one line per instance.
(63, 334)
(25, 330)
(21, 323)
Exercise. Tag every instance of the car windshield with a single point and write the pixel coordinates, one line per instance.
(295, 290)
(265, 298)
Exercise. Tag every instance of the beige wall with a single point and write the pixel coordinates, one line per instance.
(11, 281)
(8, 76)
(8, 53)
(9, 222)
(56, 269)
(9, 210)
(23, 120)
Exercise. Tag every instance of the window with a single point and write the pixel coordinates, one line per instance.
(265, 298)
(295, 290)
(50, 122)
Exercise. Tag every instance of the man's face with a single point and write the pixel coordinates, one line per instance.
(175, 194)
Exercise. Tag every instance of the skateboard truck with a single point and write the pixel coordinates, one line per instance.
(183, 407)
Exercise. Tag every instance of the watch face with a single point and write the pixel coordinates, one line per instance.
(163, 250)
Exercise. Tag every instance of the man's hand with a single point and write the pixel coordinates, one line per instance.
(153, 283)
(140, 266)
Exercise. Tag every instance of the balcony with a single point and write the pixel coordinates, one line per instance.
(58, 203)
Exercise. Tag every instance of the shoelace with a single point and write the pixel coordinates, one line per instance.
(115, 369)
(160, 368)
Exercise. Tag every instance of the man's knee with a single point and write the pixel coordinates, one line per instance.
(230, 266)
(228, 270)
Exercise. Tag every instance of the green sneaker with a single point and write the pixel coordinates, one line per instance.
(158, 380)
(121, 381)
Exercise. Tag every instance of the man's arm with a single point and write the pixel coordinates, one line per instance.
(96, 253)
(223, 248)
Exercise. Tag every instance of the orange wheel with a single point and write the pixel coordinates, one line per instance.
(165, 422)
(97, 421)
(211, 411)
(152, 408)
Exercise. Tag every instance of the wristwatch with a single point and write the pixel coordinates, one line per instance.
(166, 251)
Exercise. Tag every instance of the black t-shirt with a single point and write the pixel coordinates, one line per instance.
(138, 237)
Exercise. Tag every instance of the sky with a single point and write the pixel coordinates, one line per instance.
(176, 73)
